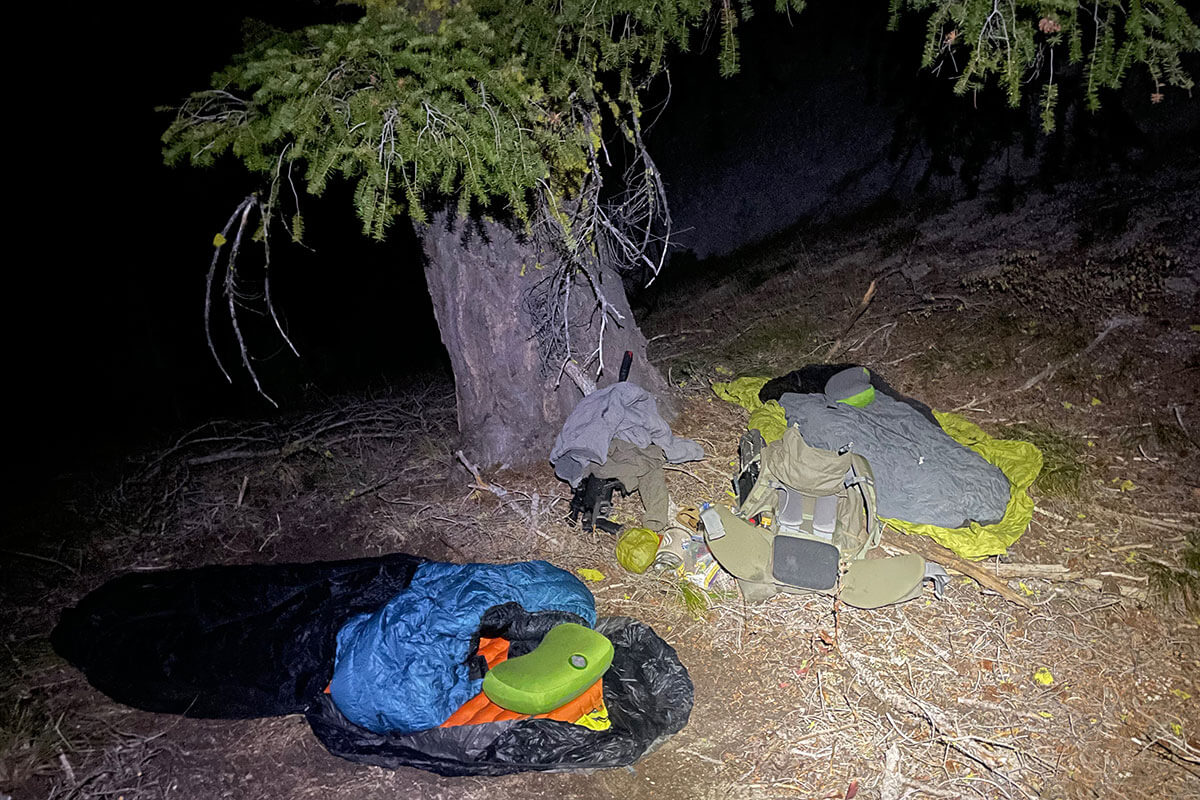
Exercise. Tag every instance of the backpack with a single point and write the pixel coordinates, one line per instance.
(805, 522)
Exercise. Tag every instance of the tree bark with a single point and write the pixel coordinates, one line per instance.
(512, 400)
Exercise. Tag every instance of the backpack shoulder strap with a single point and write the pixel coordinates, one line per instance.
(859, 476)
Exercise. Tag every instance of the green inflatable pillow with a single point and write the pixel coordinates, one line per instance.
(570, 659)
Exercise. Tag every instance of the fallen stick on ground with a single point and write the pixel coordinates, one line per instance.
(944, 727)
(578, 376)
(995, 576)
(858, 312)
(480, 483)
(893, 781)
(933, 551)
(678, 333)
(1109, 327)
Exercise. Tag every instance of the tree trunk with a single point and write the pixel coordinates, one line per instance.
(510, 387)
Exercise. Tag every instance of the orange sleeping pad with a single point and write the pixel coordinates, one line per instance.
(587, 709)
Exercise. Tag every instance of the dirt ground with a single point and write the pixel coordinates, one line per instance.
(1071, 322)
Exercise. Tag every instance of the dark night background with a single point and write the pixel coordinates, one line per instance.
(106, 339)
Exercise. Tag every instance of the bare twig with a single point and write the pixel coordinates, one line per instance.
(943, 725)
(218, 245)
(689, 473)
(266, 211)
(1110, 326)
(580, 378)
(678, 333)
(1182, 427)
(235, 294)
(480, 483)
(44, 559)
(232, 295)
(868, 295)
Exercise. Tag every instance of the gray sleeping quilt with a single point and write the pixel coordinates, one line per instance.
(921, 474)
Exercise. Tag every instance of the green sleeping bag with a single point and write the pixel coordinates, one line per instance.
(569, 660)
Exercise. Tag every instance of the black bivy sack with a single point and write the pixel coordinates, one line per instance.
(240, 642)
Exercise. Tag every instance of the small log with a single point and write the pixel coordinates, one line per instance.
(1047, 572)
(932, 551)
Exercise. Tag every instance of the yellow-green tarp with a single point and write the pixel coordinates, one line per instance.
(1021, 462)
(768, 417)
(741, 391)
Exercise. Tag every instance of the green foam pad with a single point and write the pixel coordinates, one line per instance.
(569, 660)
(861, 399)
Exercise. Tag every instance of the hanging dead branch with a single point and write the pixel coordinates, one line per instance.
(239, 292)
(627, 232)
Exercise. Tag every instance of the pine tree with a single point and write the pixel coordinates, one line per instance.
(488, 125)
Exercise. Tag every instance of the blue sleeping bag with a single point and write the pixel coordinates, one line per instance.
(403, 668)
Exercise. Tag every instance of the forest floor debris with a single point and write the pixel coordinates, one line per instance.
(1089, 688)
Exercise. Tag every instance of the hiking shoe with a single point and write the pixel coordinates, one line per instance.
(672, 548)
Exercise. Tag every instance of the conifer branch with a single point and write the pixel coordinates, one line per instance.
(501, 107)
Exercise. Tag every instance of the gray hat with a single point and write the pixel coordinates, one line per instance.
(850, 386)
